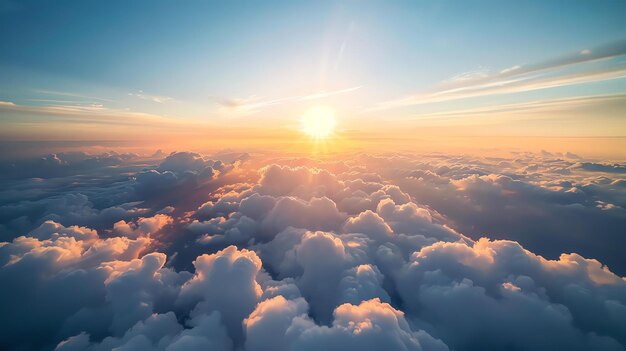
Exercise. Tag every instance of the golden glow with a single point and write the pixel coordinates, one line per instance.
(318, 122)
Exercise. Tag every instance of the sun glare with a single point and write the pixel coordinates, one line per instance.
(318, 122)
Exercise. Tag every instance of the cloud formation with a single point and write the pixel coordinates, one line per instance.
(183, 252)
(523, 78)
(254, 104)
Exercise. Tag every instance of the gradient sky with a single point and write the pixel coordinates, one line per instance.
(113, 69)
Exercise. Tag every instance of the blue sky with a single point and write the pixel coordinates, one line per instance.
(209, 60)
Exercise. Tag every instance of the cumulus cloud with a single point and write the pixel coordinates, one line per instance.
(143, 227)
(370, 325)
(183, 252)
(369, 223)
(224, 282)
(54, 280)
(492, 279)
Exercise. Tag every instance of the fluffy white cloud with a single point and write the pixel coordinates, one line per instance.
(370, 325)
(511, 296)
(369, 223)
(159, 332)
(224, 282)
(375, 252)
(143, 227)
(56, 277)
(266, 327)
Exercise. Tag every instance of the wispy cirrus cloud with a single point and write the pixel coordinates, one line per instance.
(254, 104)
(71, 94)
(536, 106)
(86, 113)
(508, 86)
(154, 98)
(522, 78)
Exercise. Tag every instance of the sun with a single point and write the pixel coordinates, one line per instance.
(318, 122)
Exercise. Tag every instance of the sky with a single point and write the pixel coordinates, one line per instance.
(403, 70)
(424, 175)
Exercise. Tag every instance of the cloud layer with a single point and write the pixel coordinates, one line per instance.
(393, 252)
